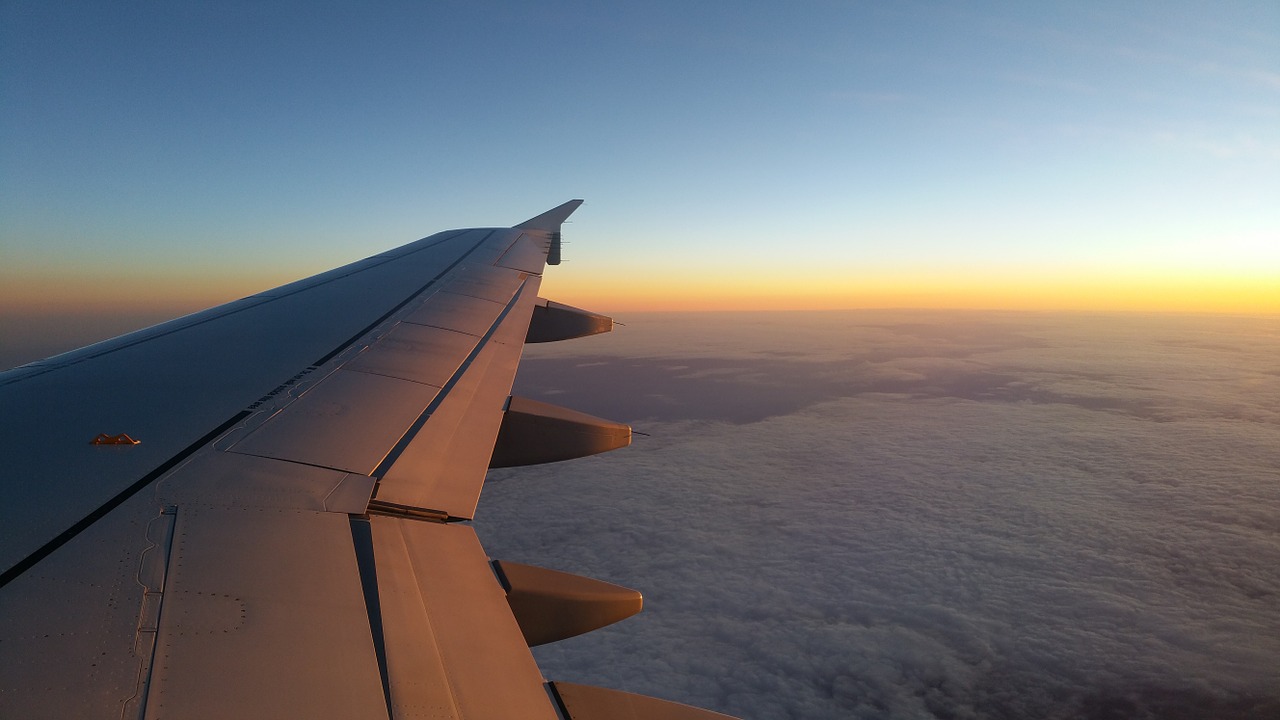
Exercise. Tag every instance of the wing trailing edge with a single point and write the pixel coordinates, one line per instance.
(587, 702)
(287, 538)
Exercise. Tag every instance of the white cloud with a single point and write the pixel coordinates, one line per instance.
(937, 552)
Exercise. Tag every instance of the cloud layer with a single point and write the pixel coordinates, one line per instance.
(917, 515)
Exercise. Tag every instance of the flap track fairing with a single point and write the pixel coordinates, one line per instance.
(534, 432)
(553, 321)
(550, 605)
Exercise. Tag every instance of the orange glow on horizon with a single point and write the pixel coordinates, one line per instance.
(1168, 293)
(148, 292)
(665, 290)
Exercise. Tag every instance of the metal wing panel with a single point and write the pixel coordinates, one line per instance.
(527, 253)
(349, 421)
(515, 327)
(461, 313)
(170, 386)
(248, 481)
(448, 627)
(234, 584)
(443, 465)
(419, 353)
(263, 616)
(487, 282)
(364, 416)
(70, 626)
(78, 629)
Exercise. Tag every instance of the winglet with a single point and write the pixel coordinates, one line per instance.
(551, 219)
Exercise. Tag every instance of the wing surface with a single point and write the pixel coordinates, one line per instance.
(261, 510)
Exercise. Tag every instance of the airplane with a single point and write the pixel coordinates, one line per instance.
(265, 509)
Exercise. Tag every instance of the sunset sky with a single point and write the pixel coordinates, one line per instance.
(915, 501)
(737, 155)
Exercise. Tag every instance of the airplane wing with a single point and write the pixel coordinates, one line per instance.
(264, 509)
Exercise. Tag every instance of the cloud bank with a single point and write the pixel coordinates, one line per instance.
(921, 515)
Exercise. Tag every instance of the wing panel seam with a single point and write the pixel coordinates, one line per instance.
(362, 542)
(83, 524)
(398, 449)
(350, 341)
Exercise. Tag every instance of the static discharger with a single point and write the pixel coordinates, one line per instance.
(121, 439)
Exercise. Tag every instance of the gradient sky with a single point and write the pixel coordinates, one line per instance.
(1096, 155)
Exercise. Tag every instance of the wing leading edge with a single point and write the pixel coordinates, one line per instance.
(290, 535)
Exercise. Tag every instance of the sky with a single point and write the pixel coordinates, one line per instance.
(912, 514)
(161, 157)
(901, 513)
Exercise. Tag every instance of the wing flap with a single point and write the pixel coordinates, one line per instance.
(263, 616)
(349, 421)
(487, 283)
(443, 465)
(419, 406)
(461, 313)
(587, 702)
(420, 353)
(249, 481)
(453, 648)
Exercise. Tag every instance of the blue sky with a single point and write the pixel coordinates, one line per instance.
(254, 143)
